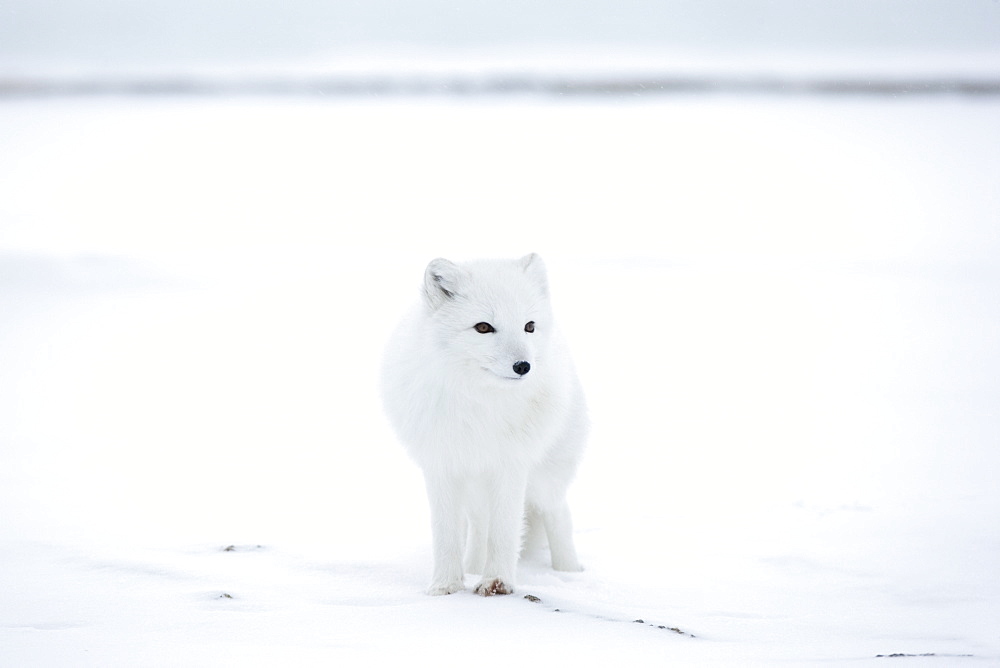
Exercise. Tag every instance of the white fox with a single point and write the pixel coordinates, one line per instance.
(480, 389)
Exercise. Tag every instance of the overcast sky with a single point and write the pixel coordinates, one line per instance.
(97, 33)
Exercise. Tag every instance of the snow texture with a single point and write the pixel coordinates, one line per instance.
(785, 313)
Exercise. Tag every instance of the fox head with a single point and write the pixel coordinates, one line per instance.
(491, 314)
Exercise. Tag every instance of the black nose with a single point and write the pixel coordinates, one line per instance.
(521, 368)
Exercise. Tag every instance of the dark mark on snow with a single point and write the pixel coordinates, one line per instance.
(901, 655)
(603, 618)
(242, 548)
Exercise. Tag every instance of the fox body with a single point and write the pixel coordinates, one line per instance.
(483, 394)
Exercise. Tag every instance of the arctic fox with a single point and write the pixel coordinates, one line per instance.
(480, 389)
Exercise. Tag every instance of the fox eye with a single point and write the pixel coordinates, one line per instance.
(530, 327)
(484, 328)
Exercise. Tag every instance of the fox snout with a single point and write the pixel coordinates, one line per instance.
(521, 368)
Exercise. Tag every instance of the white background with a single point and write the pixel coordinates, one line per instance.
(785, 311)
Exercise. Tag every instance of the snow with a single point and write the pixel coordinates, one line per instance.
(785, 313)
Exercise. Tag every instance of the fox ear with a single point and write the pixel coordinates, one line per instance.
(441, 281)
(533, 266)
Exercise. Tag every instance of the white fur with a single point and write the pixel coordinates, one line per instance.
(494, 445)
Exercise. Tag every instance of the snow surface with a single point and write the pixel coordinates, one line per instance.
(786, 314)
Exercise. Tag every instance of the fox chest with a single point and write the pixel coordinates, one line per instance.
(471, 432)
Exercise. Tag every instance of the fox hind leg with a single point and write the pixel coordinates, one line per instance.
(559, 529)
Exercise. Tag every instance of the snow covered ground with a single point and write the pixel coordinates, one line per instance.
(786, 313)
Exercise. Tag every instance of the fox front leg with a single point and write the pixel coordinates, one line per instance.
(506, 523)
(448, 535)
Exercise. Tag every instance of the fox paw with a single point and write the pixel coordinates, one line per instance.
(443, 589)
(493, 587)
